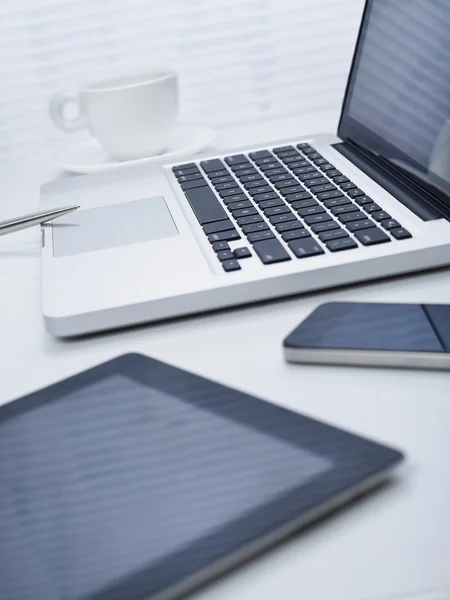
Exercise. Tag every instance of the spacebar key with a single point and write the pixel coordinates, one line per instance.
(205, 205)
(270, 251)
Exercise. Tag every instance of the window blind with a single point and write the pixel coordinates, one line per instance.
(238, 60)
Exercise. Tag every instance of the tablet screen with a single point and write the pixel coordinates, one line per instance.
(116, 475)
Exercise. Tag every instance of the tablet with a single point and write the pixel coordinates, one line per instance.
(139, 480)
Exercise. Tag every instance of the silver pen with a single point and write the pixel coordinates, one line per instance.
(33, 219)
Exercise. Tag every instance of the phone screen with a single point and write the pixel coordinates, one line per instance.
(375, 326)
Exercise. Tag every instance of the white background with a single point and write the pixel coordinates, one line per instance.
(239, 60)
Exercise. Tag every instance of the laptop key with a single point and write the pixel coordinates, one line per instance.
(254, 184)
(260, 235)
(270, 251)
(334, 234)
(225, 186)
(264, 161)
(329, 225)
(319, 161)
(313, 219)
(217, 181)
(260, 154)
(337, 202)
(218, 246)
(295, 234)
(362, 200)
(282, 177)
(355, 193)
(295, 162)
(224, 236)
(332, 194)
(287, 154)
(245, 173)
(353, 216)
(263, 197)
(314, 174)
(310, 183)
(339, 178)
(314, 156)
(371, 208)
(261, 226)
(242, 252)
(249, 220)
(293, 189)
(254, 177)
(221, 173)
(357, 225)
(197, 183)
(277, 210)
(212, 165)
(244, 212)
(224, 225)
(306, 150)
(238, 205)
(400, 233)
(311, 210)
(381, 215)
(341, 244)
(182, 172)
(305, 247)
(236, 198)
(299, 196)
(303, 145)
(236, 168)
(325, 187)
(282, 218)
(278, 171)
(230, 192)
(369, 237)
(190, 165)
(225, 255)
(304, 203)
(263, 189)
(205, 205)
(289, 226)
(347, 185)
(270, 166)
(326, 167)
(346, 208)
(190, 177)
(390, 224)
(307, 169)
(288, 183)
(231, 265)
(271, 203)
(236, 159)
(282, 149)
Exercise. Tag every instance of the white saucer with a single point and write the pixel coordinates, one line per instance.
(89, 157)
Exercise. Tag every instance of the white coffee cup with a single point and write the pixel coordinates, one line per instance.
(132, 116)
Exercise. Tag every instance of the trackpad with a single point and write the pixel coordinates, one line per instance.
(111, 226)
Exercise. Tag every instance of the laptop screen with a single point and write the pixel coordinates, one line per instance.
(397, 103)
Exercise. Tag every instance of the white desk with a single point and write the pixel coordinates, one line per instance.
(393, 542)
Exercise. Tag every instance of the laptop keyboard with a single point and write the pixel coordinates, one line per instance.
(288, 203)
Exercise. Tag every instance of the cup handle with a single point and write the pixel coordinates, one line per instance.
(56, 110)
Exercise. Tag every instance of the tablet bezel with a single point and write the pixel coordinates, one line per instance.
(355, 461)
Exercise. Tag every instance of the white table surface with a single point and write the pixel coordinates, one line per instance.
(396, 541)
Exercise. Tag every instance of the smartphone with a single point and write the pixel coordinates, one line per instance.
(373, 334)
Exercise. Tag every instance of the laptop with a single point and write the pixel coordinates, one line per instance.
(256, 223)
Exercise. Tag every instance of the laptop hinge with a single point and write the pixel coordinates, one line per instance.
(421, 202)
